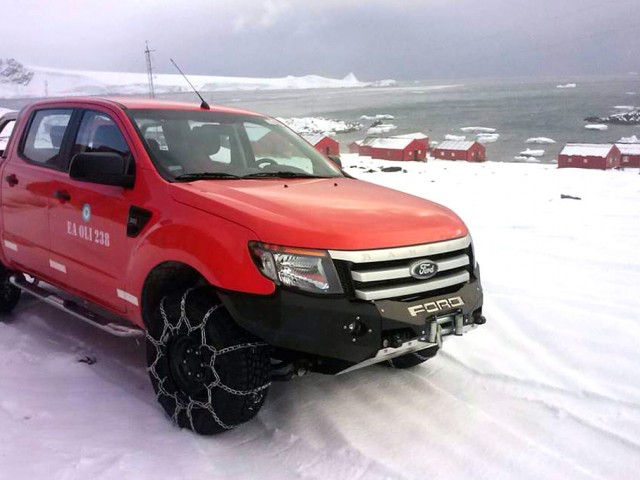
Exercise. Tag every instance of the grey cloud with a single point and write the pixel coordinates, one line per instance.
(376, 39)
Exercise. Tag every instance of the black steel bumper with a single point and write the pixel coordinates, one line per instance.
(353, 330)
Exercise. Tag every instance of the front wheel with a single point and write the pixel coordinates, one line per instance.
(209, 374)
(9, 294)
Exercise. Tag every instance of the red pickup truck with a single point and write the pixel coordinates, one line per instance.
(240, 252)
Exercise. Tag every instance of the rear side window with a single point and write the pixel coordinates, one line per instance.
(44, 138)
(99, 133)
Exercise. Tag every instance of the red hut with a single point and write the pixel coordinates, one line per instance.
(629, 154)
(393, 148)
(587, 155)
(323, 143)
(354, 147)
(460, 150)
(421, 137)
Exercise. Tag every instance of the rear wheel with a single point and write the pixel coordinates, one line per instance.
(414, 358)
(9, 294)
(209, 374)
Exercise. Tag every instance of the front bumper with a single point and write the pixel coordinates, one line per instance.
(356, 331)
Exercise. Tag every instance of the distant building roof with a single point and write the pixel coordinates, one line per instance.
(314, 138)
(629, 148)
(414, 136)
(587, 149)
(463, 145)
(392, 143)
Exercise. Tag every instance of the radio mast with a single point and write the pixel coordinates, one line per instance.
(147, 54)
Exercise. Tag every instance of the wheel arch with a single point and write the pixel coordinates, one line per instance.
(164, 278)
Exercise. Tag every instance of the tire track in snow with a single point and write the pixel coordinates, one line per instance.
(516, 433)
(504, 378)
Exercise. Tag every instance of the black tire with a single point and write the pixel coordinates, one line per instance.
(414, 358)
(9, 295)
(209, 374)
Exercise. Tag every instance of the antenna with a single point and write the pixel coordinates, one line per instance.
(147, 53)
(204, 105)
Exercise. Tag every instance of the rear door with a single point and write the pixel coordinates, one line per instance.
(27, 188)
(88, 221)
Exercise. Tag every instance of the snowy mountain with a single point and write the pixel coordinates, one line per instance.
(60, 82)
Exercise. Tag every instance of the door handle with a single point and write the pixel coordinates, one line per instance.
(12, 180)
(62, 195)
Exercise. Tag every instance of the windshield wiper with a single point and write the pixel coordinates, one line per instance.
(281, 175)
(206, 176)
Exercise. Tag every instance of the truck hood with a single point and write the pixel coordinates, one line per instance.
(333, 213)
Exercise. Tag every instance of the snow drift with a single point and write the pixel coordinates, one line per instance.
(542, 391)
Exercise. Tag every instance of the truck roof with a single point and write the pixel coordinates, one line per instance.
(140, 103)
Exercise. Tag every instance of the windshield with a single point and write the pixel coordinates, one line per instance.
(188, 145)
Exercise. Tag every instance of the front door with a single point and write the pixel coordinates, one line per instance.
(27, 191)
(88, 222)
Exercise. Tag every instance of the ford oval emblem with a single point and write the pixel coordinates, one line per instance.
(423, 269)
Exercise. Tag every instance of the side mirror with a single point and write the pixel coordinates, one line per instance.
(335, 159)
(101, 167)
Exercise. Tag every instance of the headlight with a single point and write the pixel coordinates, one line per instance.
(308, 270)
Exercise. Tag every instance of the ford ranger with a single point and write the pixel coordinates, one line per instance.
(239, 252)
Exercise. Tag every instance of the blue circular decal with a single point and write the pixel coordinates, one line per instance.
(86, 212)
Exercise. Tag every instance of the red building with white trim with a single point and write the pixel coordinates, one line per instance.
(589, 155)
(468, 151)
(421, 137)
(629, 154)
(393, 148)
(323, 143)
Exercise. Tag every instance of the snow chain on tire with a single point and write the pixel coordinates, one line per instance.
(186, 327)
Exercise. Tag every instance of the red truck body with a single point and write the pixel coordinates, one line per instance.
(124, 248)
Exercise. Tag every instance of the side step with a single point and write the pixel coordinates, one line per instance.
(76, 310)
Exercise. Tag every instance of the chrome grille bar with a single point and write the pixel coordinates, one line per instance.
(404, 271)
(399, 253)
(413, 288)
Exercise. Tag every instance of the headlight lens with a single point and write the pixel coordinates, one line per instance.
(308, 270)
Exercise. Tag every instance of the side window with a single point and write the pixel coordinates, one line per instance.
(44, 138)
(5, 134)
(99, 133)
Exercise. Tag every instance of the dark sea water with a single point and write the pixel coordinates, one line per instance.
(517, 109)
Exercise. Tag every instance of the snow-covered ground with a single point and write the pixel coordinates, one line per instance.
(60, 82)
(549, 388)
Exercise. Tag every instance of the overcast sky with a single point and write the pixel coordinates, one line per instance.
(375, 39)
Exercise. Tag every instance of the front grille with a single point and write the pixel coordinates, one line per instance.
(385, 273)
